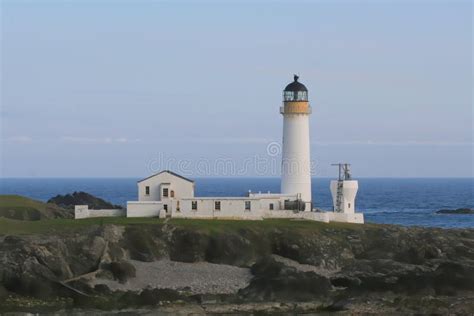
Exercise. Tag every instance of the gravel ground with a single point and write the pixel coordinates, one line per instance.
(198, 277)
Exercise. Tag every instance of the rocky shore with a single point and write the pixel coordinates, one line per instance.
(152, 266)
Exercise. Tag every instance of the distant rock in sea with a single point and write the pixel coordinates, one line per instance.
(456, 211)
(82, 198)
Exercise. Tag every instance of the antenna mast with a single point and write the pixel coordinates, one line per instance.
(344, 174)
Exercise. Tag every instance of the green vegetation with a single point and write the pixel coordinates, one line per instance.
(34, 305)
(47, 226)
(22, 208)
(217, 226)
(20, 215)
(17, 227)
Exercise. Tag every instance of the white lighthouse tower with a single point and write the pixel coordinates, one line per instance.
(295, 165)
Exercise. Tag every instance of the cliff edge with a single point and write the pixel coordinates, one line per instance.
(209, 266)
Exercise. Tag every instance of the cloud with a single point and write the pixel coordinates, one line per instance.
(100, 140)
(392, 143)
(229, 140)
(18, 139)
(211, 140)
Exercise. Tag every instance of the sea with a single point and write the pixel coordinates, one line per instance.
(402, 201)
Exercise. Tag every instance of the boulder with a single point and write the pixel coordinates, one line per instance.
(122, 270)
(274, 281)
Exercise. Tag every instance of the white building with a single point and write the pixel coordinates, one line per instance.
(344, 191)
(158, 192)
(167, 194)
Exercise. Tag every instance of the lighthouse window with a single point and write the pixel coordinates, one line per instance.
(288, 96)
(217, 205)
(295, 96)
(194, 205)
(147, 190)
(349, 205)
(302, 96)
(247, 205)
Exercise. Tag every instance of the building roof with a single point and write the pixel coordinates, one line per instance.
(168, 171)
(296, 86)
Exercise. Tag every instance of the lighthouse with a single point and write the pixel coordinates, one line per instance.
(295, 164)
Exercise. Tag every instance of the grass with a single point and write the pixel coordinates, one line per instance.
(20, 207)
(18, 227)
(13, 201)
(51, 226)
(14, 209)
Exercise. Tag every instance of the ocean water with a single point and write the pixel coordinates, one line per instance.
(382, 200)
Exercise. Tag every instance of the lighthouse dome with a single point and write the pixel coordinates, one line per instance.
(295, 91)
(296, 85)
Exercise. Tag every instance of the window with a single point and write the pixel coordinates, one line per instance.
(172, 193)
(194, 205)
(165, 207)
(295, 96)
(271, 206)
(165, 192)
(217, 205)
(349, 205)
(177, 207)
(147, 190)
(247, 205)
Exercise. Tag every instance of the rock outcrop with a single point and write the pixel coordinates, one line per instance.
(82, 198)
(294, 266)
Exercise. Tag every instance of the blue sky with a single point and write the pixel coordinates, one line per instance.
(95, 89)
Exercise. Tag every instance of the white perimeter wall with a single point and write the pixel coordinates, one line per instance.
(230, 209)
(357, 218)
(83, 211)
(144, 208)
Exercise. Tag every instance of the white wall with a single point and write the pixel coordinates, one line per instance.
(83, 211)
(144, 208)
(231, 208)
(234, 208)
(357, 218)
(312, 216)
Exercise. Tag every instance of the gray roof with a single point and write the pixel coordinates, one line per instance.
(168, 171)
